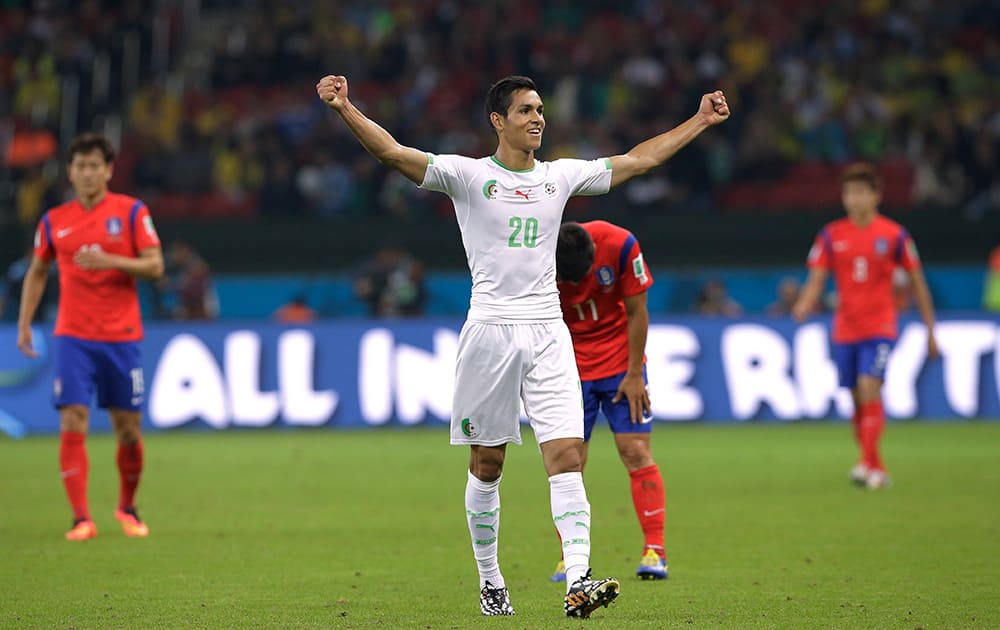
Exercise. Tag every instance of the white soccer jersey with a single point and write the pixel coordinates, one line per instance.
(510, 226)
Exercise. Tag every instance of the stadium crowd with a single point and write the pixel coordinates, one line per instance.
(222, 118)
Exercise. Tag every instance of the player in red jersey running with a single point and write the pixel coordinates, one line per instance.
(862, 251)
(101, 242)
(602, 287)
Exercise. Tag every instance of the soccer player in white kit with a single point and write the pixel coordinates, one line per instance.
(514, 345)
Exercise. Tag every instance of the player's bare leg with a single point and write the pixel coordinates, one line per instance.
(872, 423)
(571, 514)
(649, 501)
(126, 424)
(74, 467)
(482, 509)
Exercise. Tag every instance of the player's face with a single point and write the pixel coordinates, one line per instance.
(89, 173)
(859, 198)
(525, 121)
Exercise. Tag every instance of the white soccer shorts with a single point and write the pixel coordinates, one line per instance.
(500, 365)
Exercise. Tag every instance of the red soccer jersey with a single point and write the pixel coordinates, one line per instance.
(594, 308)
(96, 305)
(862, 261)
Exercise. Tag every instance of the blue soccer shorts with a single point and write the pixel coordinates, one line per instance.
(597, 397)
(867, 357)
(111, 370)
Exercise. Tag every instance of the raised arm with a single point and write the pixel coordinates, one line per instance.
(376, 140)
(655, 151)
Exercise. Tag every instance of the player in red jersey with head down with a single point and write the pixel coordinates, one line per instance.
(101, 242)
(861, 252)
(602, 286)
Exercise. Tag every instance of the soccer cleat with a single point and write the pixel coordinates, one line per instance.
(131, 524)
(859, 474)
(559, 575)
(83, 529)
(652, 566)
(587, 595)
(495, 601)
(878, 479)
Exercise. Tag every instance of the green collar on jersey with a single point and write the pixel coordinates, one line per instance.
(505, 167)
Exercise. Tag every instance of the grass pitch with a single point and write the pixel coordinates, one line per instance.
(310, 529)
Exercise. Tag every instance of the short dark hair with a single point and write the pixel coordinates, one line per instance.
(862, 172)
(87, 143)
(574, 252)
(499, 97)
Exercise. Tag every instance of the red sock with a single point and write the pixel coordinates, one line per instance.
(650, 505)
(74, 466)
(129, 471)
(856, 424)
(871, 425)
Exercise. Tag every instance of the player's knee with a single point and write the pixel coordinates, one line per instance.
(487, 471)
(636, 457)
(74, 418)
(869, 389)
(486, 465)
(129, 435)
(566, 459)
(127, 427)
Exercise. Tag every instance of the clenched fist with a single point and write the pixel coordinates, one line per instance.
(333, 90)
(714, 108)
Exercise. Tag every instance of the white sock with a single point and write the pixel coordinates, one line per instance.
(482, 510)
(571, 515)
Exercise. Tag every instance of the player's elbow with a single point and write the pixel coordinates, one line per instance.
(156, 269)
(391, 156)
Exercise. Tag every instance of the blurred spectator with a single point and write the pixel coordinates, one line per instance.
(991, 290)
(35, 194)
(391, 283)
(713, 300)
(30, 145)
(37, 93)
(327, 186)
(296, 311)
(186, 290)
(279, 194)
(156, 113)
(788, 293)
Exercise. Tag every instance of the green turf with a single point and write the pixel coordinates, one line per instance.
(366, 529)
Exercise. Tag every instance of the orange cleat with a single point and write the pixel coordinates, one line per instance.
(131, 524)
(83, 529)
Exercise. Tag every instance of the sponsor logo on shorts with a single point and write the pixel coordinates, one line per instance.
(467, 427)
(57, 387)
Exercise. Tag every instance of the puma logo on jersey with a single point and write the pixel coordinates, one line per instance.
(523, 194)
